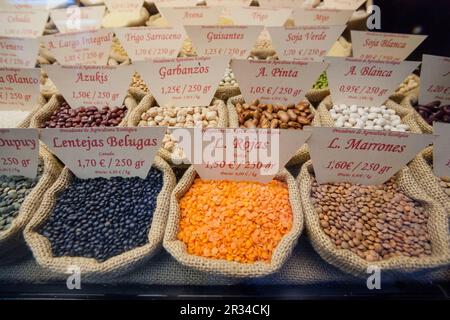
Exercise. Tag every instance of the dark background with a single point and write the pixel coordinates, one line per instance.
(427, 17)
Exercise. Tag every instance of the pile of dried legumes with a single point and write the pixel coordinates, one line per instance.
(374, 222)
(434, 111)
(66, 117)
(234, 221)
(258, 115)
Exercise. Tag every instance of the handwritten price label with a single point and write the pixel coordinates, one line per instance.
(124, 5)
(379, 46)
(201, 15)
(344, 4)
(240, 154)
(18, 52)
(146, 43)
(183, 82)
(80, 48)
(305, 43)
(365, 83)
(435, 79)
(441, 150)
(76, 19)
(22, 23)
(97, 86)
(19, 152)
(277, 82)
(19, 88)
(105, 152)
(321, 17)
(233, 41)
(366, 157)
(269, 17)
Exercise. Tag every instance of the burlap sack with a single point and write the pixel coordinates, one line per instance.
(315, 96)
(350, 262)
(398, 97)
(25, 123)
(264, 54)
(46, 111)
(148, 101)
(230, 268)
(406, 114)
(422, 171)
(11, 240)
(226, 92)
(41, 246)
(233, 122)
(408, 102)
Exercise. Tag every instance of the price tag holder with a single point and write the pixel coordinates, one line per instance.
(276, 82)
(98, 86)
(357, 156)
(269, 17)
(19, 88)
(105, 152)
(80, 48)
(18, 52)
(435, 79)
(232, 41)
(365, 83)
(19, 152)
(344, 4)
(304, 43)
(146, 43)
(124, 5)
(22, 23)
(441, 149)
(183, 82)
(380, 46)
(186, 16)
(76, 19)
(240, 154)
(321, 17)
(281, 3)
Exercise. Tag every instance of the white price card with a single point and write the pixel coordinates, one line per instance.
(76, 19)
(22, 23)
(381, 46)
(146, 43)
(105, 152)
(35, 4)
(368, 157)
(344, 4)
(269, 17)
(183, 82)
(365, 83)
(321, 17)
(233, 41)
(276, 82)
(200, 15)
(124, 5)
(19, 88)
(441, 149)
(18, 52)
(435, 79)
(239, 154)
(281, 3)
(80, 48)
(19, 152)
(304, 43)
(99, 86)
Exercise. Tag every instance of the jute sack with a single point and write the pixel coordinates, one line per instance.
(25, 123)
(11, 240)
(233, 122)
(422, 172)
(148, 102)
(226, 92)
(46, 111)
(316, 96)
(41, 246)
(398, 97)
(408, 102)
(406, 114)
(350, 262)
(231, 268)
